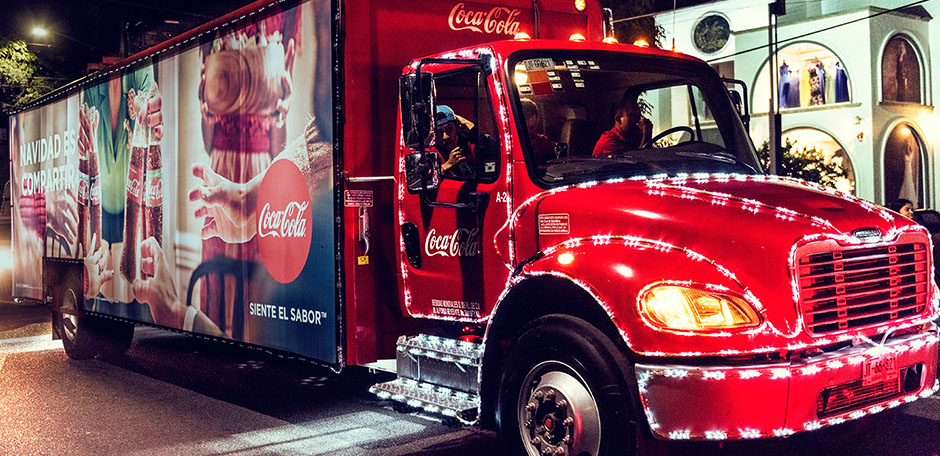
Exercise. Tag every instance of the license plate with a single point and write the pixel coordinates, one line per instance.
(881, 369)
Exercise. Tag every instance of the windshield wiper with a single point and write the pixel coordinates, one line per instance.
(723, 157)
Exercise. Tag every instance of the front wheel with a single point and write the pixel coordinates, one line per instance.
(563, 392)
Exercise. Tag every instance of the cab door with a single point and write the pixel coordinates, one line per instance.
(449, 265)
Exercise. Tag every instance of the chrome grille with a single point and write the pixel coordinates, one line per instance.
(850, 287)
(854, 395)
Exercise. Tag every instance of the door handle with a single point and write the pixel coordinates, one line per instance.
(479, 201)
(365, 233)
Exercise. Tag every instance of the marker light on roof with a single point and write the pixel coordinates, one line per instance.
(611, 40)
(519, 75)
(577, 37)
(522, 36)
(641, 43)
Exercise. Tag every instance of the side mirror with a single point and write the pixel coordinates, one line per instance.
(739, 100)
(416, 109)
(426, 169)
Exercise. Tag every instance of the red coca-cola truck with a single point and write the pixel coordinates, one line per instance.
(540, 230)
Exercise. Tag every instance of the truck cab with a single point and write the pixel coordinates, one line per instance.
(609, 270)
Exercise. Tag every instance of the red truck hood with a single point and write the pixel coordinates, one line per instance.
(715, 215)
(746, 224)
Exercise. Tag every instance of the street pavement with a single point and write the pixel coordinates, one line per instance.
(175, 394)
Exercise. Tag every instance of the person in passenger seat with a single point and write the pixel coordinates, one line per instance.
(543, 149)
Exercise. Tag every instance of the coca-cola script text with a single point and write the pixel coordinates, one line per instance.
(285, 223)
(499, 20)
(462, 242)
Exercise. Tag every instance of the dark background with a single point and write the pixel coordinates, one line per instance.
(82, 32)
(88, 35)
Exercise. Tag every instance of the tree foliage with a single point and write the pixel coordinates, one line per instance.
(643, 28)
(20, 79)
(808, 163)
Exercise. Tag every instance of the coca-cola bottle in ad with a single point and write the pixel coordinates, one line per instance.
(153, 212)
(83, 194)
(135, 191)
(94, 201)
(89, 187)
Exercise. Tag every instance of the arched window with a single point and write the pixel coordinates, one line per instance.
(804, 138)
(904, 166)
(808, 75)
(900, 72)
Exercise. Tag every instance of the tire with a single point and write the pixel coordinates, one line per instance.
(115, 337)
(78, 338)
(563, 391)
(87, 336)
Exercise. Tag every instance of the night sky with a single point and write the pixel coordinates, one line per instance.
(84, 30)
(94, 27)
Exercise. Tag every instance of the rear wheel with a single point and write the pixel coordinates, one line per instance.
(79, 341)
(563, 392)
(86, 336)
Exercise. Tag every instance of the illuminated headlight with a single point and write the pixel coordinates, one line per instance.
(6, 258)
(683, 308)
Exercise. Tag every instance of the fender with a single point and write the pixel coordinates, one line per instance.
(629, 266)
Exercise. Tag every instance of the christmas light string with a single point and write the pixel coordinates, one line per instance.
(661, 185)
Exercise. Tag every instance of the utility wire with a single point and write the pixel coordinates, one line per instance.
(764, 47)
(151, 6)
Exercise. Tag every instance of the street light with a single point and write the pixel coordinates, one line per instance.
(41, 32)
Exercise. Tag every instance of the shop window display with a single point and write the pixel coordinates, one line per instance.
(900, 72)
(808, 75)
(810, 138)
(904, 166)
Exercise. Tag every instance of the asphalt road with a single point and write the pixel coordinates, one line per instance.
(174, 394)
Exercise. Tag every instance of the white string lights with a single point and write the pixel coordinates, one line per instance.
(545, 263)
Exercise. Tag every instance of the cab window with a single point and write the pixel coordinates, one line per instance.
(465, 129)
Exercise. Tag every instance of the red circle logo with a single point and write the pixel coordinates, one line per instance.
(284, 221)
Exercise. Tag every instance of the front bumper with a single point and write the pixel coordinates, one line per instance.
(780, 399)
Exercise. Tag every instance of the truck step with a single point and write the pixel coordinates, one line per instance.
(436, 375)
(432, 399)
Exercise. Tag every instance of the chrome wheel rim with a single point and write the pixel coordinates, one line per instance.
(69, 320)
(557, 413)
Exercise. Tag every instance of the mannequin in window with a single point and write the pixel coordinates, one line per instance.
(903, 86)
(842, 84)
(908, 185)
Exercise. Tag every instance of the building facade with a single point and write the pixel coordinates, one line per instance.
(851, 80)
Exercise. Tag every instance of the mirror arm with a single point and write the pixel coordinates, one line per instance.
(746, 116)
(478, 201)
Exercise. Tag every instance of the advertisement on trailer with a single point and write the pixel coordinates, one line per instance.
(196, 186)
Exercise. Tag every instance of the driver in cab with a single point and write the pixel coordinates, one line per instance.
(631, 131)
(453, 142)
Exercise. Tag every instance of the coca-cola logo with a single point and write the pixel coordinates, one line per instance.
(284, 221)
(462, 242)
(289, 222)
(82, 190)
(154, 188)
(135, 183)
(95, 191)
(499, 20)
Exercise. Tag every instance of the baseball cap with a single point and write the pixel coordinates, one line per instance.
(444, 115)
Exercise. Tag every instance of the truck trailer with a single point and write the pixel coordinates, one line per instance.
(540, 230)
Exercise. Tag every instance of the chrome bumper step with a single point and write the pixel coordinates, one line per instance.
(436, 375)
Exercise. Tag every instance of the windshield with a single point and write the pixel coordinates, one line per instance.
(587, 116)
